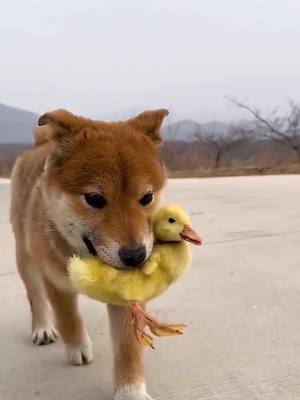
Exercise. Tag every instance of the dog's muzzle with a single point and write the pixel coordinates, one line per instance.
(89, 246)
(132, 256)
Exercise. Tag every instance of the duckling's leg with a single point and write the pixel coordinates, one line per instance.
(141, 319)
(139, 323)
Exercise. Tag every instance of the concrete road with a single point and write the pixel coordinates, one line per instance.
(240, 300)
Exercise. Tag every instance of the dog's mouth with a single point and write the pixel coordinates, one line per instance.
(89, 246)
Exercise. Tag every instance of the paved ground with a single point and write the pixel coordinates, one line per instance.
(241, 301)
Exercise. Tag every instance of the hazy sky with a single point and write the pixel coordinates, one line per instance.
(97, 57)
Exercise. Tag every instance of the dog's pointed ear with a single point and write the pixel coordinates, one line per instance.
(57, 125)
(149, 122)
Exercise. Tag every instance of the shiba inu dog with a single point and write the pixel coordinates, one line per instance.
(86, 187)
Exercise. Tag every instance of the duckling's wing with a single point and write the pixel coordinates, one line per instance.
(152, 263)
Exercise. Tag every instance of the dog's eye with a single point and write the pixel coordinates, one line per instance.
(95, 200)
(171, 220)
(146, 199)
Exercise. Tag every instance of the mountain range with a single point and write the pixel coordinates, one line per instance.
(186, 129)
(16, 126)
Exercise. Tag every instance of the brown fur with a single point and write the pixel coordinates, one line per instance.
(72, 156)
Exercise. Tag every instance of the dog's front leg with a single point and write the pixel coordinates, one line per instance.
(128, 358)
(70, 325)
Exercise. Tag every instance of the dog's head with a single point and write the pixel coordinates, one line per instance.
(102, 183)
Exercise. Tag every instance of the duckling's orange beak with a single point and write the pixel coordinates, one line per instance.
(191, 236)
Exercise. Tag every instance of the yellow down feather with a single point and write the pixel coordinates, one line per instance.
(166, 263)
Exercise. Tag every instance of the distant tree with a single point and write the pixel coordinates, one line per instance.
(282, 129)
(216, 145)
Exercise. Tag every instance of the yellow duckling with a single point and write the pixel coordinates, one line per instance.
(170, 257)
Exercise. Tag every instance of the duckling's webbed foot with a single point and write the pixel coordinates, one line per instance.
(139, 323)
(141, 319)
(166, 329)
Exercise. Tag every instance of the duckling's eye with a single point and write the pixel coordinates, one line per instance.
(146, 199)
(95, 200)
(171, 220)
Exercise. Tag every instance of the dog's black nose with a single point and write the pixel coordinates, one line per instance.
(132, 256)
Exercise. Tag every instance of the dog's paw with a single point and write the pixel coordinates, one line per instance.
(80, 354)
(43, 336)
(132, 392)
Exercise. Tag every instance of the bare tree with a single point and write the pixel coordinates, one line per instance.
(216, 145)
(282, 129)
